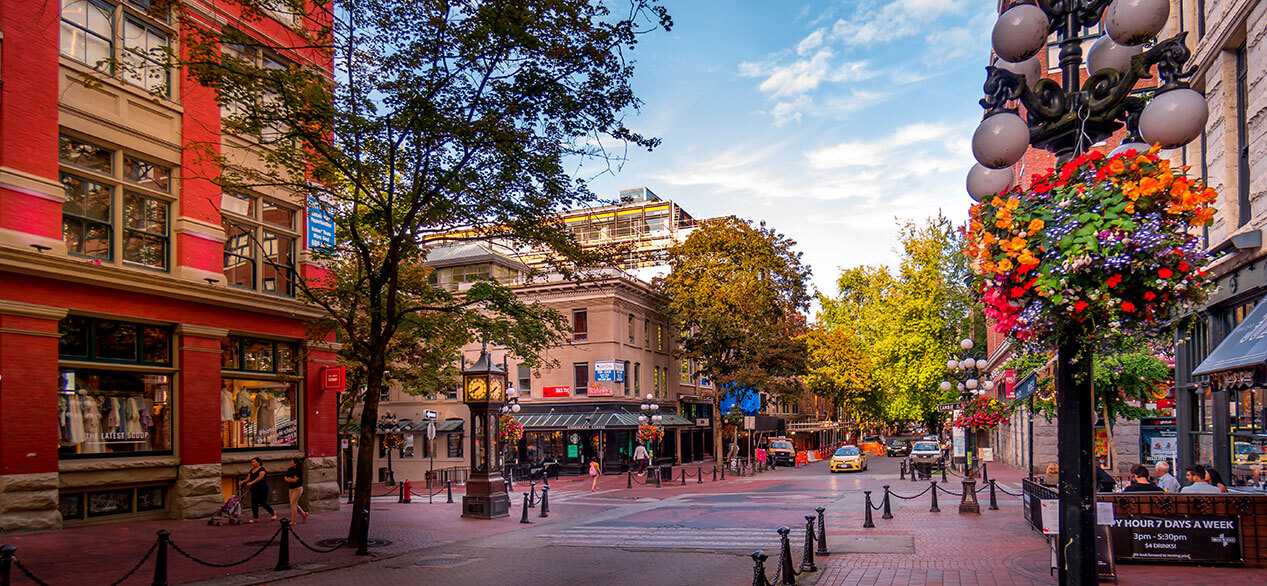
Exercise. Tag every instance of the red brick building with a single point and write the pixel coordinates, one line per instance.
(150, 340)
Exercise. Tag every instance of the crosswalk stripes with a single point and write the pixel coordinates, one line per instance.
(727, 538)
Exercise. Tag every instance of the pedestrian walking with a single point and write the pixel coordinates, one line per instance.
(295, 484)
(595, 472)
(255, 483)
(640, 458)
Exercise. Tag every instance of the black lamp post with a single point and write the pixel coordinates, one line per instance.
(973, 380)
(650, 415)
(1066, 118)
(511, 407)
(484, 385)
(389, 426)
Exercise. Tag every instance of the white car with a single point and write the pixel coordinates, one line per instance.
(925, 456)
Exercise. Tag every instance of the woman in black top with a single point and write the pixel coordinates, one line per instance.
(1142, 482)
(295, 481)
(259, 490)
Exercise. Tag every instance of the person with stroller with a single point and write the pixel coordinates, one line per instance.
(254, 481)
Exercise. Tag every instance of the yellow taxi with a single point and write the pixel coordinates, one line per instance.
(848, 458)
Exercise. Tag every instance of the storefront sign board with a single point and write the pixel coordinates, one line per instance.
(1189, 539)
(333, 377)
(960, 442)
(611, 371)
(597, 390)
(563, 391)
(702, 422)
(320, 227)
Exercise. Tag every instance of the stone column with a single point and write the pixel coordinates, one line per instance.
(28, 416)
(197, 491)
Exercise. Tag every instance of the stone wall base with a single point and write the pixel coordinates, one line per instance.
(197, 492)
(28, 502)
(321, 484)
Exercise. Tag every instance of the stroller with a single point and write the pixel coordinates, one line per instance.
(229, 513)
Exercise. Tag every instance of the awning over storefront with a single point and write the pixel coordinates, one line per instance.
(411, 426)
(619, 419)
(1245, 346)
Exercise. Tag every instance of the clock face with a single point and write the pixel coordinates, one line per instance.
(495, 390)
(476, 389)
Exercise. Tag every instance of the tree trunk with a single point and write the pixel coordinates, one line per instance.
(365, 451)
(717, 429)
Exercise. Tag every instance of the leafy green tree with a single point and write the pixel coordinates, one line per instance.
(438, 118)
(737, 292)
(838, 368)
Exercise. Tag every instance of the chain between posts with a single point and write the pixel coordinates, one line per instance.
(229, 565)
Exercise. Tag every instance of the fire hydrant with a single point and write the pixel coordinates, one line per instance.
(406, 491)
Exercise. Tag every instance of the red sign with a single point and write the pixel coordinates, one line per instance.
(597, 390)
(1165, 403)
(1009, 382)
(333, 377)
(556, 391)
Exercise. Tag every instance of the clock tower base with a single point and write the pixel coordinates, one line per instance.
(486, 507)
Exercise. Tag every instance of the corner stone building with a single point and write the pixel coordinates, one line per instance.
(148, 350)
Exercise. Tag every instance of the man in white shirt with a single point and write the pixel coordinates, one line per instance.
(640, 458)
(1165, 479)
(1196, 475)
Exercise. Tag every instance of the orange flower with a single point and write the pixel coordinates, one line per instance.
(1149, 186)
(1013, 203)
(988, 239)
(1131, 190)
(1027, 258)
(1034, 226)
(1116, 167)
(1003, 266)
(1130, 207)
(1202, 217)
(987, 267)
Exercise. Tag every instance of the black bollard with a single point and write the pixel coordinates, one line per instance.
(723, 471)
(985, 472)
(545, 502)
(510, 479)
(6, 563)
(943, 472)
(400, 494)
(867, 523)
(901, 470)
(448, 485)
(807, 561)
(350, 493)
(699, 475)
(822, 532)
(994, 501)
(363, 548)
(758, 568)
(714, 473)
(532, 500)
(788, 572)
(283, 548)
(888, 514)
(160, 558)
(524, 519)
(933, 485)
(629, 479)
(684, 476)
(913, 474)
(657, 477)
(545, 478)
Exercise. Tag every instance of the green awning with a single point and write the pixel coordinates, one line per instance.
(621, 419)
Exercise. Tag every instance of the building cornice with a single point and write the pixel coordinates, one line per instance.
(202, 331)
(21, 309)
(86, 273)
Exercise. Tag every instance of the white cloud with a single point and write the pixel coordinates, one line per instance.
(875, 23)
(813, 41)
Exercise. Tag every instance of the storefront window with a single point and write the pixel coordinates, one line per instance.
(84, 338)
(257, 414)
(107, 412)
(455, 445)
(253, 355)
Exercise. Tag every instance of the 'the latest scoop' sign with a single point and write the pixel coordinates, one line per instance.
(1189, 539)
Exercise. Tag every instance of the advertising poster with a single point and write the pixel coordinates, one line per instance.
(960, 442)
(598, 390)
(1190, 539)
(563, 391)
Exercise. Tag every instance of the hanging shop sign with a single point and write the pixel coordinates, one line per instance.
(598, 390)
(1189, 540)
(609, 371)
(563, 391)
(702, 422)
(1027, 387)
(320, 227)
(333, 378)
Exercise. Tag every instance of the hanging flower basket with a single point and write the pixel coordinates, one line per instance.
(650, 433)
(509, 430)
(1102, 248)
(982, 413)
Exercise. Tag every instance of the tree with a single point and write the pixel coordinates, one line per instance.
(405, 121)
(737, 293)
(839, 369)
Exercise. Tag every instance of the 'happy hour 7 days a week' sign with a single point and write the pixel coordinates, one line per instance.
(1187, 539)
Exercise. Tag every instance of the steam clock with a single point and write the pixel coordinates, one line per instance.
(483, 391)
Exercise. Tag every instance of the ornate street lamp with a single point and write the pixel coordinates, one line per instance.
(972, 379)
(483, 387)
(389, 426)
(1066, 118)
(511, 407)
(650, 415)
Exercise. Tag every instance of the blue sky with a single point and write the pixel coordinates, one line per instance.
(829, 120)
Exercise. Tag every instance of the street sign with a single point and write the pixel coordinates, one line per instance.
(1027, 387)
(431, 430)
(947, 407)
(428, 414)
(609, 371)
(749, 422)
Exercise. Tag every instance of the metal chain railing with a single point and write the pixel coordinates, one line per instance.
(314, 549)
(27, 572)
(138, 565)
(1004, 491)
(948, 491)
(907, 498)
(229, 565)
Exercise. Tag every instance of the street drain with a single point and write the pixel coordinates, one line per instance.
(440, 562)
(328, 543)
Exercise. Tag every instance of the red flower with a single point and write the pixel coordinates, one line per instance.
(1128, 307)
(1113, 281)
(1165, 273)
(1130, 153)
(1095, 155)
(1041, 188)
(1017, 292)
(1149, 296)
(1183, 266)
(1079, 306)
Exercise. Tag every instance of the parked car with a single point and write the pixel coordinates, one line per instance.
(872, 443)
(782, 452)
(926, 456)
(848, 458)
(898, 448)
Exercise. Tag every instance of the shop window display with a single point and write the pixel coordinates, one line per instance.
(257, 414)
(104, 412)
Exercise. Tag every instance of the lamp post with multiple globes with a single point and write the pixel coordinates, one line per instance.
(650, 415)
(972, 380)
(511, 407)
(1067, 118)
